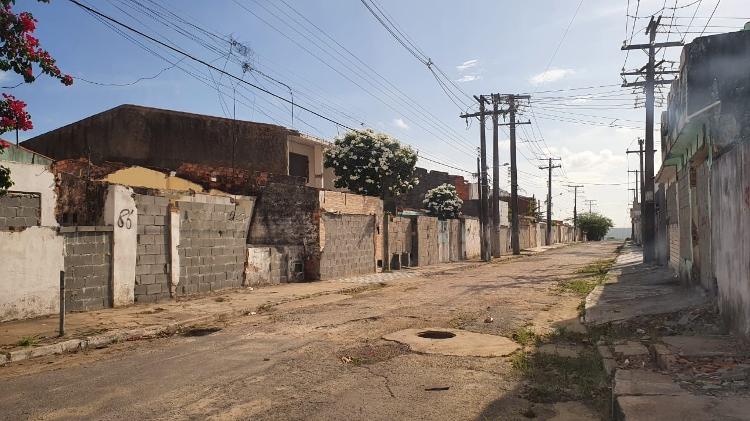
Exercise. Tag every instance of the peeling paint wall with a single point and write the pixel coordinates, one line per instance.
(35, 178)
(471, 240)
(28, 288)
(730, 244)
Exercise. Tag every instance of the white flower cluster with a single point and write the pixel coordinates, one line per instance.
(367, 162)
(443, 202)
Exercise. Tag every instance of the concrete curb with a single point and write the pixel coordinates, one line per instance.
(116, 336)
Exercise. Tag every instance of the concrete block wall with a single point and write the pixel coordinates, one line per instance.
(270, 265)
(88, 268)
(152, 254)
(20, 210)
(455, 245)
(212, 246)
(355, 204)
(427, 241)
(400, 231)
(349, 245)
(471, 239)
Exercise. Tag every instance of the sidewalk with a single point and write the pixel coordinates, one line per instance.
(664, 347)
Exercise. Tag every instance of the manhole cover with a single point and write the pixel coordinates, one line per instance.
(436, 334)
(201, 331)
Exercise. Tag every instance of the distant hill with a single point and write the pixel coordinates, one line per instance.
(618, 233)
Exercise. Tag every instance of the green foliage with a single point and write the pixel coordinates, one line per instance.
(524, 336)
(443, 202)
(5, 181)
(373, 164)
(594, 225)
(27, 341)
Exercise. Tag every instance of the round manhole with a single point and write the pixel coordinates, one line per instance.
(436, 334)
(201, 331)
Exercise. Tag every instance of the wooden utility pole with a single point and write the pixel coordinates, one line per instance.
(549, 167)
(575, 207)
(648, 208)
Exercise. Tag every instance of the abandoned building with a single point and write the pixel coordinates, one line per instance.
(703, 196)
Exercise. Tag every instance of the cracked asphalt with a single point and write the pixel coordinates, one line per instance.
(322, 358)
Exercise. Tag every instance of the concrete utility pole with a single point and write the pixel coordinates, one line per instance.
(485, 249)
(481, 201)
(495, 180)
(549, 167)
(648, 208)
(575, 207)
(511, 101)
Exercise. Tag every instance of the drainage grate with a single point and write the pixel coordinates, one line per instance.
(436, 334)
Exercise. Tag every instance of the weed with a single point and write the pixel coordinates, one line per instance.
(599, 267)
(580, 286)
(27, 341)
(265, 308)
(524, 336)
(520, 361)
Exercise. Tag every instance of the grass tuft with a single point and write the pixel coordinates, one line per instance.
(524, 336)
(27, 341)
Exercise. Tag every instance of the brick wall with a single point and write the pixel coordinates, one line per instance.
(349, 246)
(151, 270)
(429, 180)
(20, 210)
(88, 268)
(212, 246)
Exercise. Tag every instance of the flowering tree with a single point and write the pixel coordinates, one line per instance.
(19, 52)
(443, 202)
(372, 164)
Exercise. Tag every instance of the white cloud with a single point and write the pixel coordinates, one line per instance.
(468, 64)
(468, 78)
(551, 75)
(469, 71)
(400, 123)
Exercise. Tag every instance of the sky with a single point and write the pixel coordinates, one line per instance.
(340, 62)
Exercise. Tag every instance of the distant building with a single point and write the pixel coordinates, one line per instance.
(166, 140)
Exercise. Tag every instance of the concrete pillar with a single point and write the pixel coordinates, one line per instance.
(120, 212)
(174, 255)
(317, 167)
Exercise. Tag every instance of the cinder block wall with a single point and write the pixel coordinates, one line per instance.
(427, 241)
(349, 246)
(151, 270)
(399, 235)
(88, 269)
(212, 246)
(20, 210)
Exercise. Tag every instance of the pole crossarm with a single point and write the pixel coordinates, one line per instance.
(654, 45)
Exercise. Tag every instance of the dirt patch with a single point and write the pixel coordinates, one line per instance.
(371, 353)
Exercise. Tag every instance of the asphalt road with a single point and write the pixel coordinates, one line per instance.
(319, 358)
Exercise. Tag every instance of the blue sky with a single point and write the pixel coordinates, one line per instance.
(483, 46)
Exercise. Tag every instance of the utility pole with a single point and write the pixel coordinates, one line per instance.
(549, 167)
(485, 248)
(648, 213)
(481, 201)
(511, 101)
(495, 243)
(590, 202)
(514, 224)
(575, 207)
